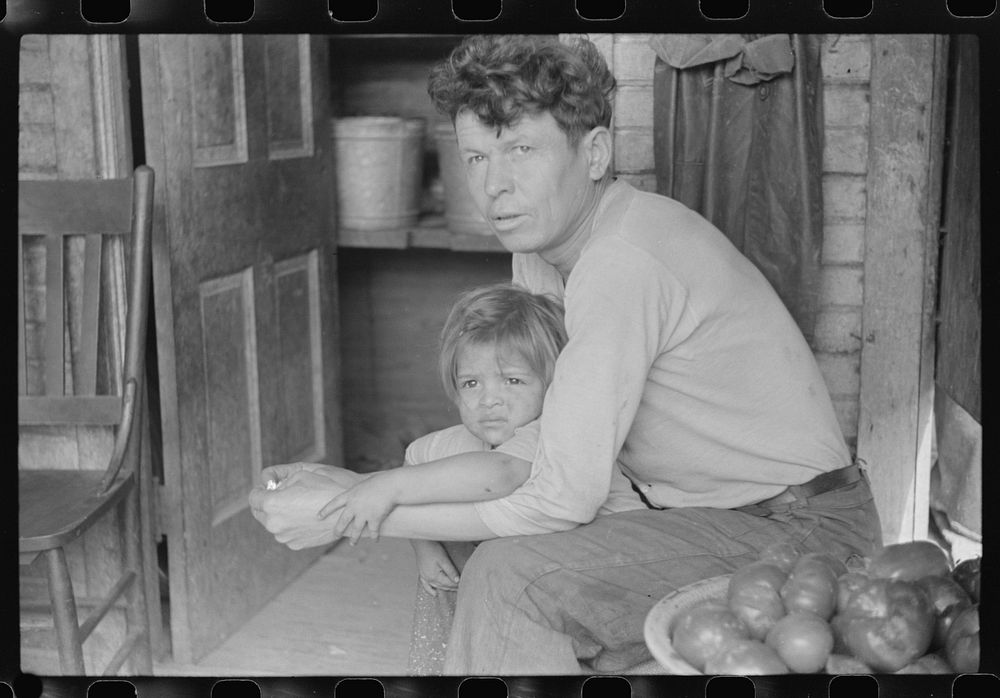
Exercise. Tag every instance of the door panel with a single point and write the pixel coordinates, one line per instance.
(288, 86)
(232, 395)
(219, 121)
(302, 417)
(245, 301)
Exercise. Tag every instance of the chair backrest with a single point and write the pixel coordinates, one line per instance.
(55, 210)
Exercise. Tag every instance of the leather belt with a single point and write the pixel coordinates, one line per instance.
(824, 482)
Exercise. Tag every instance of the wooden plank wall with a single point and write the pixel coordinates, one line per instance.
(958, 489)
(902, 218)
(73, 124)
(959, 366)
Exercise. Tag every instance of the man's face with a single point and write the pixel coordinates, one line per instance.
(530, 184)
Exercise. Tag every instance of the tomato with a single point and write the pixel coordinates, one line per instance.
(745, 658)
(886, 623)
(782, 554)
(838, 624)
(943, 591)
(928, 664)
(754, 596)
(811, 586)
(845, 664)
(962, 643)
(967, 574)
(802, 640)
(703, 630)
(948, 598)
(847, 584)
(944, 622)
(836, 565)
(909, 561)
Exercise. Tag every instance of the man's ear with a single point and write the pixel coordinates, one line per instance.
(596, 144)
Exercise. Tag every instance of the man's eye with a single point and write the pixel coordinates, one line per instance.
(515, 381)
(472, 159)
(523, 149)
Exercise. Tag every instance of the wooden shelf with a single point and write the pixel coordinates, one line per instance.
(429, 233)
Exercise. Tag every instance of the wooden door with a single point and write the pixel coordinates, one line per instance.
(236, 128)
(959, 360)
(957, 488)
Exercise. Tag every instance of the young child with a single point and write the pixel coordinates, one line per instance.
(498, 352)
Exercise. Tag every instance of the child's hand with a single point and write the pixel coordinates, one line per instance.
(436, 569)
(365, 505)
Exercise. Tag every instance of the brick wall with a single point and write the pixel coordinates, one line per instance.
(846, 63)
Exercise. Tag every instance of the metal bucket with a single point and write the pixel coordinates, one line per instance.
(460, 212)
(379, 171)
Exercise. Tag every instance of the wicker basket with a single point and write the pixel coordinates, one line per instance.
(460, 212)
(659, 624)
(379, 169)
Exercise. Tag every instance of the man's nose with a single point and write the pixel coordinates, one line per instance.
(498, 177)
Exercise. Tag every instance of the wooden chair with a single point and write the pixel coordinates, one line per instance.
(59, 505)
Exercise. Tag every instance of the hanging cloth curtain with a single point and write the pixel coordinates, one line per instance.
(738, 137)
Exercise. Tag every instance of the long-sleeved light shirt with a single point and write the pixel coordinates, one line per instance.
(682, 366)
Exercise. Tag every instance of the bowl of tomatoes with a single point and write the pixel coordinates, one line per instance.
(904, 610)
(659, 626)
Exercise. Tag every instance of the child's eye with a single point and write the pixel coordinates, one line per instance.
(471, 383)
(515, 381)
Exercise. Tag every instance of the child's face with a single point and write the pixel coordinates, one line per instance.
(497, 392)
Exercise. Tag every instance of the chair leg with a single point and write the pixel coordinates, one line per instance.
(136, 612)
(64, 613)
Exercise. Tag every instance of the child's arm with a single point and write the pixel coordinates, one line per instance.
(467, 477)
(434, 566)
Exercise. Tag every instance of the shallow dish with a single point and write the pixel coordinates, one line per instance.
(660, 620)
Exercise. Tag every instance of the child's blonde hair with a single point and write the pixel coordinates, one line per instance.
(504, 315)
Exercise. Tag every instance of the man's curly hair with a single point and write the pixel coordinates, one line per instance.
(500, 78)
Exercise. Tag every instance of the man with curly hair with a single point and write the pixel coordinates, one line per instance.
(682, 368)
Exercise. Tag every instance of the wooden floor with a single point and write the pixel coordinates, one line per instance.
(349, 614)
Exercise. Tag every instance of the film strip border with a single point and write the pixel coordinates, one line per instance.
(20, 17)
(469, 16)
(800, 686)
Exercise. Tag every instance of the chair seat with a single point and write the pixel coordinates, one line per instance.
(55, 506)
